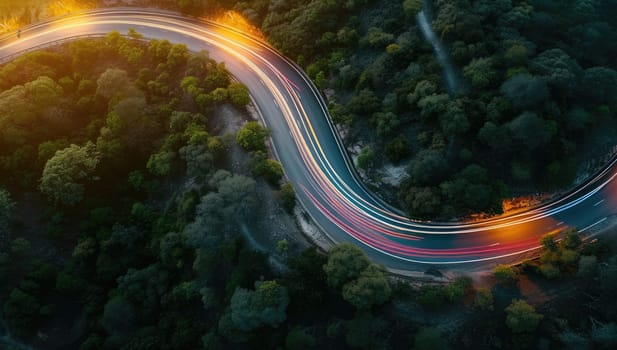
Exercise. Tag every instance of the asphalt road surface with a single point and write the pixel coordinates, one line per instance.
(315, 161)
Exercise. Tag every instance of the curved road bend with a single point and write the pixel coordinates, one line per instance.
(315, 161)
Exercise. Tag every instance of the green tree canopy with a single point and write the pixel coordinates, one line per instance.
(560, 70)
(531, 130)
(266, 305)
(65, 173)
(252, 136)
(522, 317)
(525, 91)
(371, 288)
(346, 262)
(238, 94)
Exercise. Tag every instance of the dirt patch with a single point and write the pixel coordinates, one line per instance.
(393, 175)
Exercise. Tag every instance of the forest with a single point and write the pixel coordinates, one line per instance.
(535, 107)
(537, 98)
(119, 205)
(120, 221)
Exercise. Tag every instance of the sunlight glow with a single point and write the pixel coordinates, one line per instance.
(15, 14)
(62, 7)
(235, 20)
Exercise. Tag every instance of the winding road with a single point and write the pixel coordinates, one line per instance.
(316, 162)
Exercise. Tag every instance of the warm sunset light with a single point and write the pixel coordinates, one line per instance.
(62, 7)
(237, 21)
(8, 24)
(13, 13)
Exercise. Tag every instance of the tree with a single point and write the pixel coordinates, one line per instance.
(30, 113)
(21, 310)
(412, 7)
(505, 273)
(560, 70)
(346, 262)
(569, 257)
(270, 169)
(422, 202)
(192, 7)
(199, 162)
(220, 210)
(369, 289)
(525, 91)
(366, 158)
(172, 249)
(385, 123)
(428, 167)
(433, 105)
(516, 55)
(114, 82)
(480, 72)
(364, 103)
(429, 338)
(47, 149)
(128, 127)
(471, 191)
(288, 197)
(423, 89)
(66, 170)
(456, 290)
(377, 38)
(160, 164)
(548, 242)
(264, 306)
(549, 270)
(397, 149)
(143, 288)
(484, 299)
(306, 280)
(177, 56)
(252, 136)
(219, 95)
(530, 129)
(572, 239)
(522, 317)
(454, 121)
(238, 94)
(599, 86)
(6, 208)
(495, 136)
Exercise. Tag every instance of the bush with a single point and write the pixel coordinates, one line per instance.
(288, 196)
(431, 296)
(505, 273)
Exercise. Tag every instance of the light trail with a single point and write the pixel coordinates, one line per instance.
(314, 158)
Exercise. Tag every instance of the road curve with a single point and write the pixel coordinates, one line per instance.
(315, 161)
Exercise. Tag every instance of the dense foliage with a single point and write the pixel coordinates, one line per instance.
(538, 94)
(109, 169)
(120, 215)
